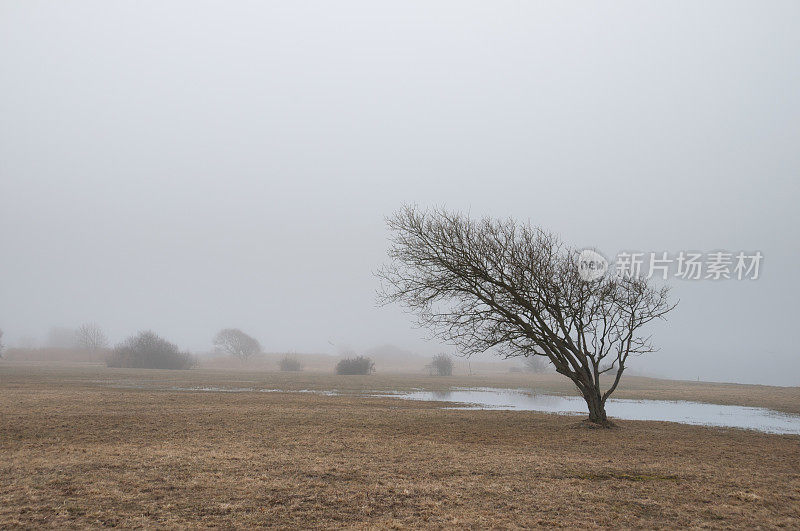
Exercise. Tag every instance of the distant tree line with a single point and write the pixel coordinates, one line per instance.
(148, 350)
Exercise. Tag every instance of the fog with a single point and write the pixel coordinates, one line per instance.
(183, 168)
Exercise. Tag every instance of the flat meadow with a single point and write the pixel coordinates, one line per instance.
(82, 445)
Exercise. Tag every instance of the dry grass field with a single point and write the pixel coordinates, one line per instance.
(86, 446)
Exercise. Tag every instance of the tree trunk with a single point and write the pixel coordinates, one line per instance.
(597, 410)
(592, 395)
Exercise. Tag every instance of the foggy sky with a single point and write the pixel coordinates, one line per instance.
(187, 166)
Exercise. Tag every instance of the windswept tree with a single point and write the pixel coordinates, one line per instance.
(91, 337)
(236, 343)
(510, 287)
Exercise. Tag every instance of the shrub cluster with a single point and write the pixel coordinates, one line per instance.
(290, 363)
(442, 365)
(357, 365)
(146, 350)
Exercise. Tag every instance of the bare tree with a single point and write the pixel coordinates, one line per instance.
(91, 337)
(498, 284)
(2, 346)
(236, 343)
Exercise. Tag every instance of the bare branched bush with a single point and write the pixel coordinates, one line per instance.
(90, 337)
(510, 287)
(441, 365)
(290, 363)
(146, 350)
(357, 365)
(236, 343)
(536, 364)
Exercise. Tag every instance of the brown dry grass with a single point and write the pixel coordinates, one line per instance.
(76, 452)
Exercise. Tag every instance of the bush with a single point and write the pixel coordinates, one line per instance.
(537, 364)
(290, 363)
(357, 365)
(442, 365)
(146, 350)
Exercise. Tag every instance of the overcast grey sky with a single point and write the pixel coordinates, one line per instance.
(186, 166)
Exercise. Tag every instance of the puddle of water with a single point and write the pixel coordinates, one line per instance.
(760, 419)
(684, 412)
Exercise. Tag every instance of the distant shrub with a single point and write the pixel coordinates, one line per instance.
(357, 365)
(537, 364)
(147, 350)
(515, 369)
(442, 365)
(290, 363)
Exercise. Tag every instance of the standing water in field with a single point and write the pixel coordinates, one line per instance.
(681, 411)
(760, 419)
